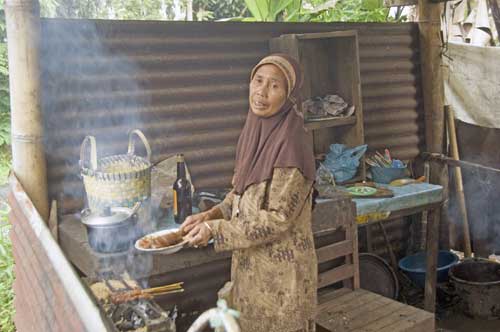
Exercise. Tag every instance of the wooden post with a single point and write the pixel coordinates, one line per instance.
(28, 155)
(433, 92)
(432, 77)
(495, 12)
(431, 260)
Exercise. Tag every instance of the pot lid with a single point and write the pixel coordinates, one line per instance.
(107, 217)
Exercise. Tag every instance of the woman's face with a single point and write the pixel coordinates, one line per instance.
(268, 91)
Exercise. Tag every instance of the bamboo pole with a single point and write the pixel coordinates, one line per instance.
(459, 187)
(28, 156)
(433, 94)
(495, 12)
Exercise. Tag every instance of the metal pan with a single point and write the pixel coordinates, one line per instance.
(377, 276)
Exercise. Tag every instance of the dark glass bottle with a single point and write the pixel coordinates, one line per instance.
(182, 193)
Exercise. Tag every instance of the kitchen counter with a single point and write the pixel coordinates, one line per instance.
(73, 240)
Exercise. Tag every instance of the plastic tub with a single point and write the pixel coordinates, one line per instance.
(387, 174)
(415, 266)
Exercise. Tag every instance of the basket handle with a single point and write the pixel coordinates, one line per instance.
(93, 152)
(131, 146)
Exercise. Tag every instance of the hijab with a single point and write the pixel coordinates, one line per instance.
(276, 141)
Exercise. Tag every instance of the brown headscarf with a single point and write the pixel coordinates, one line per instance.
(276, 141)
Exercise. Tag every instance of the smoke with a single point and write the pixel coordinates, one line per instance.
(90, 86)
(483, 209)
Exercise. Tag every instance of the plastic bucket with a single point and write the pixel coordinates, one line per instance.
(415, 266)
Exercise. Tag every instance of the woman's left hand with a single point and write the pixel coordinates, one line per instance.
(199, 236)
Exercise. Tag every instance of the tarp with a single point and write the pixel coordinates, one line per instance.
(472, 83)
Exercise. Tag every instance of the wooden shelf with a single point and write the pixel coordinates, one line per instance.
(329, 122)
(330, 61)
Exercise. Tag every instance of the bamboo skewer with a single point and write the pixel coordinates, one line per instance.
(458, 181)
(169, 292)
(165, 288)
(147, 293)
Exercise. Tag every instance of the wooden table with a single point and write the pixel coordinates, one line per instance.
(409, 200)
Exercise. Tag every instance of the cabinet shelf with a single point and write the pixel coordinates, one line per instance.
(329, 122)
(330, 63)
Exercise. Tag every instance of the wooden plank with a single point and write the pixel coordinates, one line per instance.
(349, 283)
(312, 124)
(335, 275)
(431, 260)
(342, 298)
(375, 302)
(333, 251)
(406, 212)
(355, 256)
(343, 305)
(341, 317)
(395, 317)
(329, 295)
(375, 315)
(420, 321)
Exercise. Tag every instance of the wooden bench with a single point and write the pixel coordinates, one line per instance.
(351, 308)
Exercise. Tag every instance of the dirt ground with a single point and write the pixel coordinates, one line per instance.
(460, 323)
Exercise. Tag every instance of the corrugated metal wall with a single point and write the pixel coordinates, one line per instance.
(186, 84)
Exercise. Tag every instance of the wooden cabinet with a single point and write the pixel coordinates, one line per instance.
(330, 62)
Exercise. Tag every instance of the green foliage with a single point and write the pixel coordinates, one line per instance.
(4, 128)
(4, 71)
(5, 164)
(6, 274)
(114, 9)
(319, 11)
(215, 9)
(270, 10)
(353, 11)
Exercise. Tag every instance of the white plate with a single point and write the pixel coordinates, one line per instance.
(166, 250)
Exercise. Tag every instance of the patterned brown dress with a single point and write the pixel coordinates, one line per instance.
(274, 265)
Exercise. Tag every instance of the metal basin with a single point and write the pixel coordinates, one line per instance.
(477, 282)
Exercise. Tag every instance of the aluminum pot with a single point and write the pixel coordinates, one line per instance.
(112, 230)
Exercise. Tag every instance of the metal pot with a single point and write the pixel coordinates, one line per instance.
(477, 281)
(111, 230)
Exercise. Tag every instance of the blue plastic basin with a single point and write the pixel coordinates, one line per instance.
(415, 266)
(387, 174)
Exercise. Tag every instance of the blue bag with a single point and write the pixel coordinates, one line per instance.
(343, 162)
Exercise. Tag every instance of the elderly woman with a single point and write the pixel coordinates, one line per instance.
(266, 219)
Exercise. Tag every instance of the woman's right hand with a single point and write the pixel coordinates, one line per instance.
(194, 220)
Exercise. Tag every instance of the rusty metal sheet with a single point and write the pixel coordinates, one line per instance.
(185, 85)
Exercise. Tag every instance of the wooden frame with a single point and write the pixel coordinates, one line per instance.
(330, 61)
(353, 309)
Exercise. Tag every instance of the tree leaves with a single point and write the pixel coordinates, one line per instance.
(273, 10)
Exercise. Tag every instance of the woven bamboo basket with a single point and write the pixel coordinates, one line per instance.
(117, 180)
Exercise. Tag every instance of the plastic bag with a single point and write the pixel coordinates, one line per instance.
(343, 162)
(324, 176)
